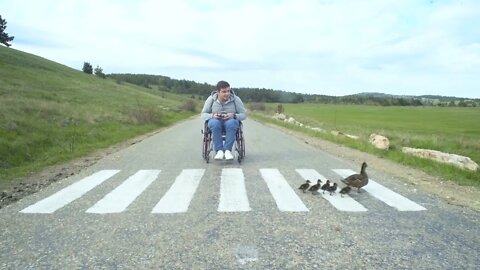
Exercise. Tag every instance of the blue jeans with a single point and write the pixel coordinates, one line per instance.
(216, 126)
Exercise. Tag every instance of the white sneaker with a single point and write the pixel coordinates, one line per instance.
(219, 155)
(228, 155)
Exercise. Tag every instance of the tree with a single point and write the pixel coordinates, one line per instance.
(4, 38)
(87, 68)
(280, 108)
(99, 72)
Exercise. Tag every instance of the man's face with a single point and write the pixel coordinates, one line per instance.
(224, 94)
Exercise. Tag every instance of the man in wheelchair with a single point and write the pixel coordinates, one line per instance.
(223, 110)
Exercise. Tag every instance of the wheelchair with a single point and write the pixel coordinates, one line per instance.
(238, 145)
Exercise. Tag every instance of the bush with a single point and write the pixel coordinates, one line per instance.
(146, 115)
(189, 106)
(257, 106)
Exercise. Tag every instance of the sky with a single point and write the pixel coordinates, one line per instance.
(327, 47)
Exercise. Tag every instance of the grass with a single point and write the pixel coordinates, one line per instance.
(452, 130)
(50, 113)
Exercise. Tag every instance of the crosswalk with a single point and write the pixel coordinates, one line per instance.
(285, 197)
(121, 197)
(70, 193)
(178, 197)
(233, 192)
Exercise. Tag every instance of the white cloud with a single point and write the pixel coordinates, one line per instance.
(328, 47)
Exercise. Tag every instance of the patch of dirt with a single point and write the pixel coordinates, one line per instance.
(448, 191)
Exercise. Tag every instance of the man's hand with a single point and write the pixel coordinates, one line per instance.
(229, 116)
(226, 116)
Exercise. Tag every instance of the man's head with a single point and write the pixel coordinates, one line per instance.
(223, 90)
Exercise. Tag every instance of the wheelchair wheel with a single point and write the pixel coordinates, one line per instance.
(207, 139)
(240, 151)
(240, 145)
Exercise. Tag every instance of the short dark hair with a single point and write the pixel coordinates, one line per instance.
(222, 84)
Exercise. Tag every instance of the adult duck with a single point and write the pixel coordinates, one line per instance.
(357, 180)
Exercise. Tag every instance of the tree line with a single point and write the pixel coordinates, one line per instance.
(203, 90)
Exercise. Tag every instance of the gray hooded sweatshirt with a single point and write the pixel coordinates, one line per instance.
(233, 105)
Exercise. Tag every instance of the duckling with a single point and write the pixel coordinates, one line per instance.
(314, 189)
(357, 180)
(332, 189)
(305, 186)
(325, 186)
(345, 190)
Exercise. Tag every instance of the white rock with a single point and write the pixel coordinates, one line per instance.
(317, 129)
(379, 141)
(338, 133)
(279, 116)
(351, 136)
(453, 159)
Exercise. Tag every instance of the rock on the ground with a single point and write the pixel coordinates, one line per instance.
(379, 141)
(338, 133)
(453, 159)
(279, 116)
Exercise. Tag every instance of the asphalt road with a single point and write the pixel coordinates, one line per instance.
(161, 206)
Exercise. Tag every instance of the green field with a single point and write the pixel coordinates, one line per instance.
(448, 129)
(51, 113)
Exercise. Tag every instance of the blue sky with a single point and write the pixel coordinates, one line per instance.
(410, 47)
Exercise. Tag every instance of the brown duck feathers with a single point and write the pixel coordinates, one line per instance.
(314, 189)
(357, 180)
(305, 186)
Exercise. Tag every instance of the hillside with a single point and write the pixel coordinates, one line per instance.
(50, 113)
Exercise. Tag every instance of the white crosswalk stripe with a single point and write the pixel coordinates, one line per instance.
(122, 196)
(345, 203)
(233, 192)
(384, 194)
(282, 192)
(178, 197)
(70, 193)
